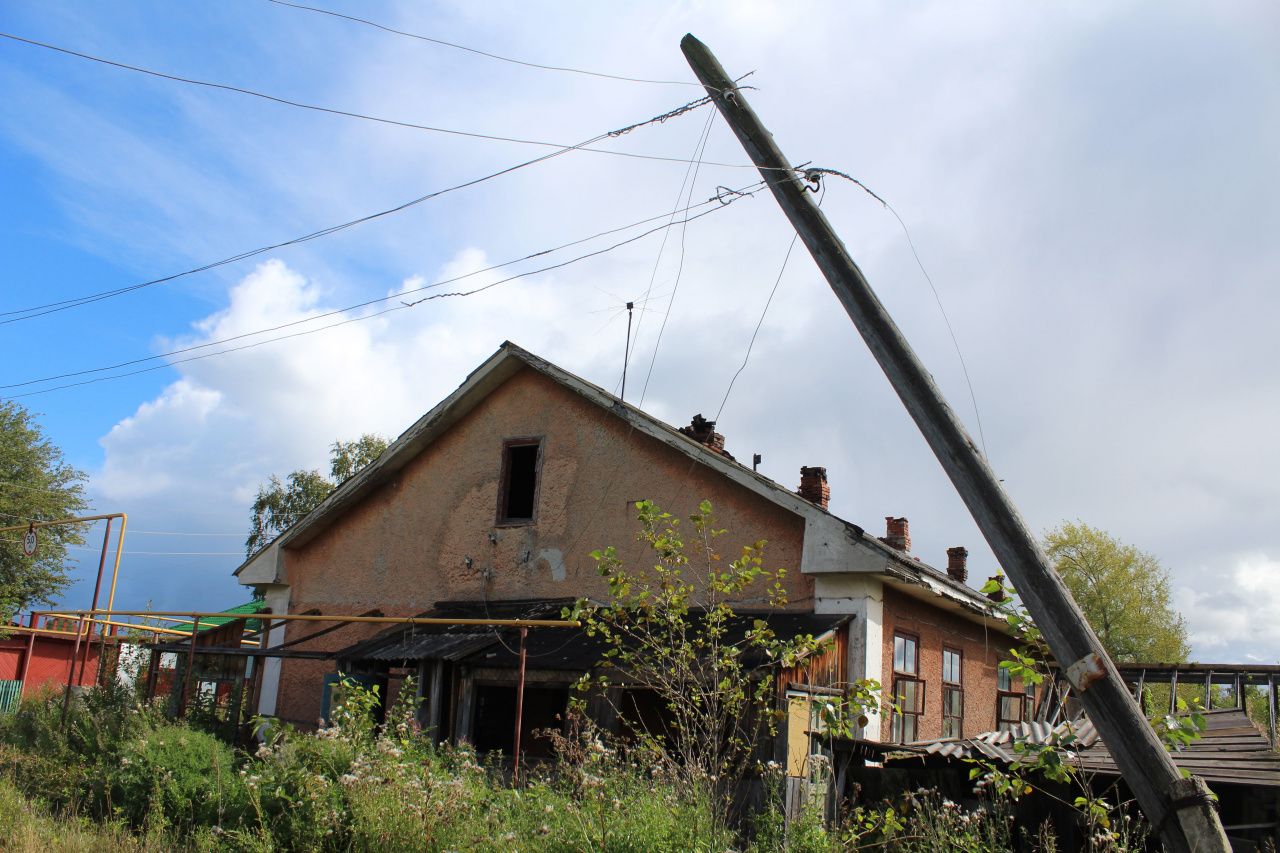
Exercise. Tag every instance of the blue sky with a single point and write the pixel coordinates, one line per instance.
(1093, 190)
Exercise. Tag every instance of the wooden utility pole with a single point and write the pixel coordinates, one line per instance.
(1179, 809)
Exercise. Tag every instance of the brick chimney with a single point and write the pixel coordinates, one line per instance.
(998, 595)
(958, 563)
(898, 534)
(704, 432)
(813, 486)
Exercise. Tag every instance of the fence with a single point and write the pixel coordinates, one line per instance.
(10, 693)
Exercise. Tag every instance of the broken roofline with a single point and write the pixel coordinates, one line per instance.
(580, 652)
(505, 363)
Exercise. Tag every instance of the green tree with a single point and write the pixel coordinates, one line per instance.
(36, 484)
(1124, 593)
(670, 629)
(280, 503)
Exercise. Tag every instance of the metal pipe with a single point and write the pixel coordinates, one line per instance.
(515, 773)
(115, 569)
(191, 666)
(1272, 709)
(97, 589)
(26, 659)
(153, 629)
(153, 670)
(71, 671)
(313, 617)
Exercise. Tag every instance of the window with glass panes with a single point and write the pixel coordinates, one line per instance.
(952, 692)
(908, 688)
(1009, 703)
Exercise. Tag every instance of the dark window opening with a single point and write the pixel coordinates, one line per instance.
(520, 482)
(494, 722)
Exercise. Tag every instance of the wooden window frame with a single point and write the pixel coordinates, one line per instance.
(915, 638)
(504, 481)
(900, 715)
(952, 687)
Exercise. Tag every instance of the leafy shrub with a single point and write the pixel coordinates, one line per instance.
(176, 776)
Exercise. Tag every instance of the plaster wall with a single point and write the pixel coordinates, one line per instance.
(431, 534)
(935, 628)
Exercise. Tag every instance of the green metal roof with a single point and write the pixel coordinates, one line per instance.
(238, 612)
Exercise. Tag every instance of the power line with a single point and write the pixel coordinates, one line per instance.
(66, 304)
(361, 116)
(11, 484)
(657, 261)
(179, 533)
(479, 52)
(226, 87)
(167, 553)
(706, 136)
(759, 323)
(813, 175)
(365, 304)
(403, 306)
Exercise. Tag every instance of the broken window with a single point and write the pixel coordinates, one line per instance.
(952, 693)
(519, 490)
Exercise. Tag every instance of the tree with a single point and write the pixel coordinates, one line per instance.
(1124, 593)
(280, 503)
(670, 630)
(36, 484)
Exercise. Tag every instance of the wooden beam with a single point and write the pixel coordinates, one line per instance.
(1141, 757)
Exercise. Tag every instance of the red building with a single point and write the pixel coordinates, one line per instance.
(31, 659)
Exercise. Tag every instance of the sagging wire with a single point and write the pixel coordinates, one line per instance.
(813, 175)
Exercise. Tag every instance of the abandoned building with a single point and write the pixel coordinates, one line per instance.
(488, 507)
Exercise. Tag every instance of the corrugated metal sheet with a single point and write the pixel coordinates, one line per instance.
(450, 647)
(1230, 750)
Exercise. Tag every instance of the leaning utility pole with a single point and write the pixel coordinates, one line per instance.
(1179, 809)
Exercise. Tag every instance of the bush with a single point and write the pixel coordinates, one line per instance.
(177, 777)
(64, 759)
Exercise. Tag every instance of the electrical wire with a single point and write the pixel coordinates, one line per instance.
(657, 261)
(65, 304)
(362, 116)
(479, 52)
(403, 306)
(759, 323)
(239, 554)
(11, 484)
(706, 136)
(365, 304)
(964, 368)
(226, 87)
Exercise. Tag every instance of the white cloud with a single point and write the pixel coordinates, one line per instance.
(1101, 237)
(1239, 612)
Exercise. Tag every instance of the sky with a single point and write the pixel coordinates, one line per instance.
(1092, 191)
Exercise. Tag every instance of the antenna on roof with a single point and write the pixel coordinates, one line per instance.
(626, 354)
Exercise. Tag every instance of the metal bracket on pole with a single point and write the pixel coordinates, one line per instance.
(1085, 671)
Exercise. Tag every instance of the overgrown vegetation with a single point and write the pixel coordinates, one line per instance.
(112, 773)
(671, 631)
